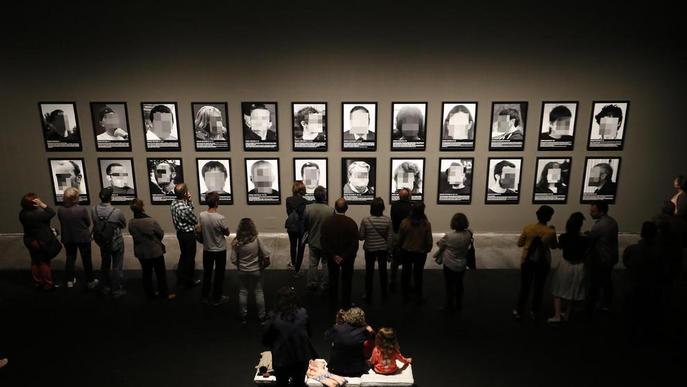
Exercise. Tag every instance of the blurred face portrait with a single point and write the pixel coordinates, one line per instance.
(262, 177)
(162, 124)
(405, 180)
(598, 176)
(560, 127)
(313, 127)
(67, 176)
(553, 175)
(410, 127)
(504, 123)
(118, 176)
(110, 121)
(164, 174)
(360, 122)
(456, 175)
(359, 178)
(215, 180)
(459, 126)
(259, 122)
(507, 178)
(215, 124)
(608, 127)
(311, 178)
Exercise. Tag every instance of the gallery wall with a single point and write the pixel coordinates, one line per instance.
(384, 53)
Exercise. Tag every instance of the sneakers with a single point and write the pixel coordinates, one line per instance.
(71, 284)
(290, 266)
(93, 284)
(222, 300)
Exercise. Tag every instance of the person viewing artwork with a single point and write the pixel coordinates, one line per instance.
(251, 257)
(210, 126)
(75, 223)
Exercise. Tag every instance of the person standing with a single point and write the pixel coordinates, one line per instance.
(567, 281)
(602, 256)
(315, 214)
(295, 213)
(185, 221)
(75, 223)
(340, 245)
(250, 255)
(415, 241)
(452, 253)
(214, 229)
(108, 223)
(38, 238)
(377, 233)
(400, 210)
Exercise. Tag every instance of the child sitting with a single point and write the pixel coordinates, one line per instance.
(386, 352)
(317, 371)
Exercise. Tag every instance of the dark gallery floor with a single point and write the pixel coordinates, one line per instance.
(70, 338)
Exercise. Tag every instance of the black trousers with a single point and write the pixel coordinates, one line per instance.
(380, 257)
(413, 264)
(295, 372)
(345, 270)
(216, 260)
(158, 266)
(297, 249)
(454, 288)
(187, 258)
(532, 273)
(85, 250)
(599, 286)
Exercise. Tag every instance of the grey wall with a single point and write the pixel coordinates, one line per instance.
(384, 53)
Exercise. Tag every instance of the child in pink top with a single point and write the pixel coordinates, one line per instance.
(386, 352)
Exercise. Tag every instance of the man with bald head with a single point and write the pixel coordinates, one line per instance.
(339, 240)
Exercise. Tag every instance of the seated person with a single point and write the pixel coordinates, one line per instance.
(386, 352)
(317, 371)
(348, 338)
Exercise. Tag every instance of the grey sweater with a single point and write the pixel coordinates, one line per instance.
(453, 249)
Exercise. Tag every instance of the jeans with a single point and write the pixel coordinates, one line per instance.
(251, 281)
(216, 260)
(113, 260)
(295, 372)
(70, 250)
(187, 259)
(158, 265)
(346, 270)
(413, 263)
(532, 272)
(599, 286)
(454, 288)
(297, 250)
(370, 258)
(315, 277)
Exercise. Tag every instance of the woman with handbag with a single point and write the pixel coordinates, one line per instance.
(251, 257)
(377, 233)
(454, 249)
(75, 223)
(39, 239)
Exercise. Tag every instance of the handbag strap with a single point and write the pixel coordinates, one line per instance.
(376, 230)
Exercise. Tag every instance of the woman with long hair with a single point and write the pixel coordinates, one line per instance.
(250, 255)
(415, 240)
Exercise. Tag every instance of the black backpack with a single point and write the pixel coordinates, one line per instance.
(536, 251)
(103, 230)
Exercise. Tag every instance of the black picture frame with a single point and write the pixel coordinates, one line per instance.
(308, 195)
(174, 145)
(443, 142)
(165, 199)
(58, 145)
(125, 197)
(356, 199)
(486, 190)
(216, 145)
(524, 107)
(467, 201)
(610, 200)
(416, 197)
(394, 146)
(273, 145)
(619, 145)
(295, 128)
(573, 127)
(537, 179)
(247, 178)
(84, 198)
(94, 120)
(368, 148)
(224, 199)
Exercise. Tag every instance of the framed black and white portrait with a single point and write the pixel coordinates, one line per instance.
(210, 126)
(68, 173)
(552, 180)
(111, 126)
(260, 126)
(163, 175)
(214, 175)
(407, 173)
(118, 174)
(262, 181)
(359, 126)
(503, 180)
(358, 179)
(608, 125)
(60, 124)
(458, 125)
(558, 122)
(455, 180)
(600, 181)
(309, 126)
(408, 126)
(161, 126)
(508, 123)
(313, 173)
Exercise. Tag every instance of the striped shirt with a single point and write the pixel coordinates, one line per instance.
(182, 216)
(377, 233)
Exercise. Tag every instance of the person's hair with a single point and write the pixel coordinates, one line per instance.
(104, 111)
(459, 222)
(71, 196)
(410, 168)
(246, 231)
(341, 206)
(339, 319)
(417, 213)
(320, 194)
(649, 231)
(108, 170)
(574, 223)
(27, 200)
(359, 108)
(202, 120)
(601, 206)
(545, 213)
(404, 194)
(455, 110)
(559, 112)
(212, 199)
(668, 208)
(180, 190)
(512, 114)
(607, 168)
(409, 113)
(214, 164)
(309, 165)
(287, 303)
(356, 164)
(106, 195)
(609, 111)
(377, 207)
(159, 109)
(498, 168)
(457, 163)
(52, 116)
(387, 342)
(302, 115)
(681, 182)
(136, 206)
(298, 188)
(543, 177)
(355, 317)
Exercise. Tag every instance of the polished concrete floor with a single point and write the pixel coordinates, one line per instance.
(75, 338)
